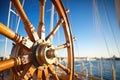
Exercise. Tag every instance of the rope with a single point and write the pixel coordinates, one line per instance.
(8, 23)
(18, 19)
(11, 22)
(72, 29)
(58, 32)
(109, 25)
(98, 23)
(97, 15)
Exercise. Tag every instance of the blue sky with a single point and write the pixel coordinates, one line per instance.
(90, 41)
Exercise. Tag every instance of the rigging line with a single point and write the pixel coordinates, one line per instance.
(72, 29)
(58, 29)
(17, 24)
(53, 13)
(18, 21)
(52, 20)
(109, 25)
(101, 30)
(8, 23)
(69, 17)
(77, 49)
(97, 18)
(11, 22)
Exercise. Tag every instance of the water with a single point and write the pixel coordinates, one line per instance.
(101, 69)
(97, 66)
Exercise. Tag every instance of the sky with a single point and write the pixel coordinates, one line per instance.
(96, 29)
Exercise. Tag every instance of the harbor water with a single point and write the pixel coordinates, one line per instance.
(99, 68)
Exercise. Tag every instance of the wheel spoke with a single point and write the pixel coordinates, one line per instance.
(39, 73)
(62, 46)
(63, 77)
(15, 37)
(28, 71)
(52, 33)
(9, 33)
(67, 70)
(9, 63)
(41, 28)
(28, 26)
(25, 70)
(50, 68)
(45, 75)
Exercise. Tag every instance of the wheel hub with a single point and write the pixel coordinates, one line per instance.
(44, 54)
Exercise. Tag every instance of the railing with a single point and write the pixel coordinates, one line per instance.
(99, 69)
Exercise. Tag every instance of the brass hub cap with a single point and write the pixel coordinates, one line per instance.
(44, 54)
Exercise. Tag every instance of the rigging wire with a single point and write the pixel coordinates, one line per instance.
(58, 32)
(97, 18)
(51, 20)
(11, 21)
(18, 21)
(98, 23)
(8, 23)
(109, 25)
(53, 13)
(72, 29)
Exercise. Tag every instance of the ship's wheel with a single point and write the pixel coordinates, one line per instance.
(34, 57)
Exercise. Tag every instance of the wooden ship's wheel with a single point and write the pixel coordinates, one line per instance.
(34, 57)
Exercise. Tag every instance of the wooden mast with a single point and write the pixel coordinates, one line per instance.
(117, 4)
